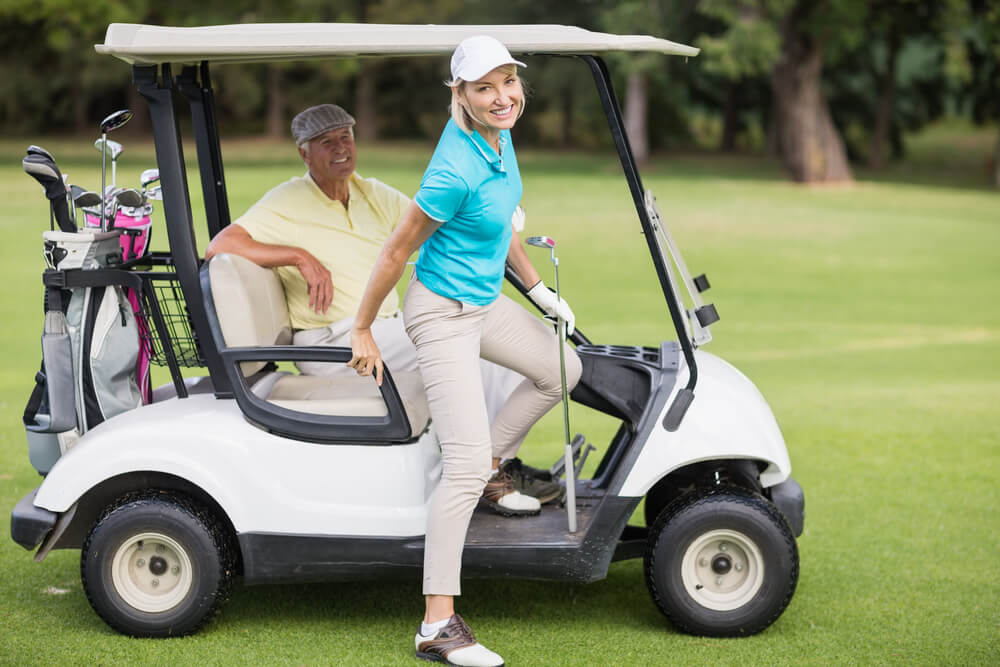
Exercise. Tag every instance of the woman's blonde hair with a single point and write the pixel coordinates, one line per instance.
(460, 114)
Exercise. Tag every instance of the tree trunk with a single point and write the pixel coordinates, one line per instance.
(636, 111)
(996, 163)
(809, 144)
(885, 105)
(276, 125)
(730, 118)
(364, 102)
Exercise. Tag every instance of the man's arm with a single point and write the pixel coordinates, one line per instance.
(236, 240)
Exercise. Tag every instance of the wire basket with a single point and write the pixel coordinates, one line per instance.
(166, 326)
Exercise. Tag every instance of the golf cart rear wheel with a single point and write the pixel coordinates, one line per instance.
(157, 565)
(721, 563)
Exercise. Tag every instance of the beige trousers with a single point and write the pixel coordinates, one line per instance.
(399, 355)
(450, 338)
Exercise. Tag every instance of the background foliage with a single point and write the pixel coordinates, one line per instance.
(888, 67)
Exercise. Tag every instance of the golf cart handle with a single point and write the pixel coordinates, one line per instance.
(393, 427)
(577, 336)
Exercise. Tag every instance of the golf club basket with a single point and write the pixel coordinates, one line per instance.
(90, 343)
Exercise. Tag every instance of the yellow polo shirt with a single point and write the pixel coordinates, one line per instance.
(346, 241)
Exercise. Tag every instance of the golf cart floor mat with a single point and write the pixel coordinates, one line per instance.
(535, 547)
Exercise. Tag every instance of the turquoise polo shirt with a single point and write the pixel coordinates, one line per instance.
(472, 191)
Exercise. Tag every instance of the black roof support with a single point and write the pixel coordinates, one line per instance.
(605, 89)
(195, 84)
(177, 207)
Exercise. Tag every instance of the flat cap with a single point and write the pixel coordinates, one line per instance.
(316, 120)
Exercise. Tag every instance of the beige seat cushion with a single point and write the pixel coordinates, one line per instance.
(347, 394)
(250, 304)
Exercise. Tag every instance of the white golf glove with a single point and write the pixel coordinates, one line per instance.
(545, 299)
(517, 220)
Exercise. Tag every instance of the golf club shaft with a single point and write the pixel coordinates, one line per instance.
(104, 171)
(568, 455)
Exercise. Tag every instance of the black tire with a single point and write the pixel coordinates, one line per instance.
(157, 565)
(721, 562)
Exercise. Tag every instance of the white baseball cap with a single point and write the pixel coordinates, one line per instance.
(477, 56)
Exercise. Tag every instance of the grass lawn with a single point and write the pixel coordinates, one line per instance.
(865, 314)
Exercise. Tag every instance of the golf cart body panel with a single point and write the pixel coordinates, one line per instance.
(730, 420)
(263, 482)
(266, 42)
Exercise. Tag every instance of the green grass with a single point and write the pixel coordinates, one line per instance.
(866, 315)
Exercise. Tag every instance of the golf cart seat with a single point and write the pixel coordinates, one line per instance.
(249, 303)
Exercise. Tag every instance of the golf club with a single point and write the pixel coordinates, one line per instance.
(114, 150)
(546, 242)
(109, 124)
(40, 166)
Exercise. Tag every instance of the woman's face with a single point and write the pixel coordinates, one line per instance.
(495, 100)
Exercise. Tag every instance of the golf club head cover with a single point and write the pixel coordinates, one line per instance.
(546, 299)
(44, 170)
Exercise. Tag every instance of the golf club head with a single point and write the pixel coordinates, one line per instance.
(129, 197)
(155, 193)
(149, 177)
(541, 242)
(115, 120)
(111, 148)
(85, 198)
(38, 150)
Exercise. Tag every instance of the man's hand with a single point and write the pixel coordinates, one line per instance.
(366, 356)
(318, 278)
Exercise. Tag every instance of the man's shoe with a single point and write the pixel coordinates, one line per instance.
(454, 644)
(532, 481)
(500, 496)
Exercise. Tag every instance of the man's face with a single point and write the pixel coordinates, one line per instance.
(331, 156)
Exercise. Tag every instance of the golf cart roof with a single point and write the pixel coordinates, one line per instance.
(139, 44)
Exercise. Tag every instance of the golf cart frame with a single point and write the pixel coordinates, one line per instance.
(668, 449)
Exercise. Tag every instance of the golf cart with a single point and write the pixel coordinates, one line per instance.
(248, 470)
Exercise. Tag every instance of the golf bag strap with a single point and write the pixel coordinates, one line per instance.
(35, 400)
(91, 278)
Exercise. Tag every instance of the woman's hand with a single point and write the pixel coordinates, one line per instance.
(366, 356)
(546, 299)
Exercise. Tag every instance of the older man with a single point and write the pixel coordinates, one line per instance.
(322, 232)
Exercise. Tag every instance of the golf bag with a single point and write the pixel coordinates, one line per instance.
(90, 343)
(135, 225)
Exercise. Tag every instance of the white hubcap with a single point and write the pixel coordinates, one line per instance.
(151, 572)
(722, 570)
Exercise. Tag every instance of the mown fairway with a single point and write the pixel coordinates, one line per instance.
(867, 315)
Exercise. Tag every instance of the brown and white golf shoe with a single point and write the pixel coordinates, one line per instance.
(454, 644)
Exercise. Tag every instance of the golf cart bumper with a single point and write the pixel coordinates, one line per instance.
(29, 524)
(789, 498)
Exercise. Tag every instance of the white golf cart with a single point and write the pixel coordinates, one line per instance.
(277, 477)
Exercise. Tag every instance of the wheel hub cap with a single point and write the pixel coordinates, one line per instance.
(152, 572)
(722, 569)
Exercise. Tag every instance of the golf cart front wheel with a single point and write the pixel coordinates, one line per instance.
(721, 563)
(157, 565)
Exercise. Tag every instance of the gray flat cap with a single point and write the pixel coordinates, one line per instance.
(316, 120)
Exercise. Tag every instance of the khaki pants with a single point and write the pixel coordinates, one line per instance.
(399, 355)
(450, 337)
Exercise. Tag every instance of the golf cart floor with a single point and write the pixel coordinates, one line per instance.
(549, 528)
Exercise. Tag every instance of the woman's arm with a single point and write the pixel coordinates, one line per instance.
(413, 229)
(519, 261)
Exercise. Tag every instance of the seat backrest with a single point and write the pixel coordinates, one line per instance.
(250, 304)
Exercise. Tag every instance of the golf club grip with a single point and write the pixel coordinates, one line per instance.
(576, 338)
